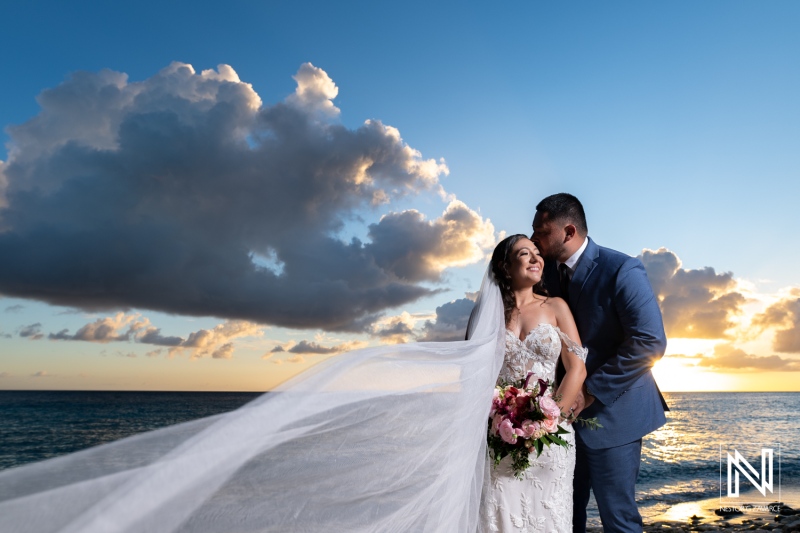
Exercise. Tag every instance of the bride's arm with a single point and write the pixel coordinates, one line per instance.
(575, 368)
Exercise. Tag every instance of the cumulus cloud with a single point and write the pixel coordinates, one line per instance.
(728, 357)
(152, 335)
(5, 374)
(223, 352)
(395, 329)
(315, 91)
(120, 327)
(314, 348)
(183, 193)
(417, 249)
(41, 374)
(694, 303)
(32, 332)
(784, 317)
(451, 322)
(14, 308)
(216, 342)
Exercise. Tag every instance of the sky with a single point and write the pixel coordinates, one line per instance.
(205, 196)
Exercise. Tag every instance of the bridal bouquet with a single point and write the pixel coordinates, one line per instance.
(523, 420)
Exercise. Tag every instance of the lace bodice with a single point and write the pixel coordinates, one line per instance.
(537, 353)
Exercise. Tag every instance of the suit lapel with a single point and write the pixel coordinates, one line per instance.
(583, 269)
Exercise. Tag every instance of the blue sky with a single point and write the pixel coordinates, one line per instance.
(676, 123)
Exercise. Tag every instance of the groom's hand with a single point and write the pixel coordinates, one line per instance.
(588, 399)
(578, 406)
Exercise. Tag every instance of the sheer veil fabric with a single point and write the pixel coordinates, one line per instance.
(386, 439)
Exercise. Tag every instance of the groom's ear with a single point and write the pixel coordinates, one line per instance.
(571, 231)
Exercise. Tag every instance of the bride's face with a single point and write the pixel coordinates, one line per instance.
(526, 264)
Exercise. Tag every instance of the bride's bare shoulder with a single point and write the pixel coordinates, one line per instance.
(556, 302)
(556, 305)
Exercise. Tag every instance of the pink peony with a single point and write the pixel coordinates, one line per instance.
(507, 432)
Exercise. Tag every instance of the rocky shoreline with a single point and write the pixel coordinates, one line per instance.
(785, 520)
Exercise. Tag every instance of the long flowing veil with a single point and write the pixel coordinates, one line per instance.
(388, 439)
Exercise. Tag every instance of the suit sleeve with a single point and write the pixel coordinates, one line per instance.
(644, 338)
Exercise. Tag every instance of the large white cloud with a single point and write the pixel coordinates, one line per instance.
(184, 193)
(694, 303)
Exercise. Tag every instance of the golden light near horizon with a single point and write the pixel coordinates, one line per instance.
(681, 374)
(678, 370)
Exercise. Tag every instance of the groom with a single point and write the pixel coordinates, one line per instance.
(620, 323)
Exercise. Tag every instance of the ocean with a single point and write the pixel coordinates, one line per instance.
(680, 461)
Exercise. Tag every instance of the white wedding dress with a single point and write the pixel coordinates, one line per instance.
(542, 500)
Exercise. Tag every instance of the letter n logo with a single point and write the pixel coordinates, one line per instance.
(738, 464)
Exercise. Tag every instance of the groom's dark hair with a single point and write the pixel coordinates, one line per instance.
(563, 206)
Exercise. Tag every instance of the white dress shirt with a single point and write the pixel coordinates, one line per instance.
(573, 259)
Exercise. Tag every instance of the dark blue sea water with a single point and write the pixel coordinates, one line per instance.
(36, 425)
(681, 461)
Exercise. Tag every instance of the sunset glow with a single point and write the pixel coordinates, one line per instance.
(221, 211)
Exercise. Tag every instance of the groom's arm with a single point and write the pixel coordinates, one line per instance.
(644, 343)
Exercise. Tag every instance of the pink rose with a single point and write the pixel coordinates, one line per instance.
(550, 425)
(495, 402)
(507, 432)
(496, 419)
(549, 407)
(529, 428)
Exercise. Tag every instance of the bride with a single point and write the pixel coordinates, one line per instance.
(539, 330)
(384, 439)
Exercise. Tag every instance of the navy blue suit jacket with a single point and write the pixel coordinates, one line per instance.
(620, 323)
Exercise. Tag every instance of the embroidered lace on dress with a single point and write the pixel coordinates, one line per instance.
(542, 500)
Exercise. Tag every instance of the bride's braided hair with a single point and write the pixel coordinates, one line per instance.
(500, 262)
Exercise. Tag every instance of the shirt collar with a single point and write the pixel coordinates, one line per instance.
(573, 260)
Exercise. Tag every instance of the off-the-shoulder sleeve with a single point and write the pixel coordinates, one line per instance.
(573, 346)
